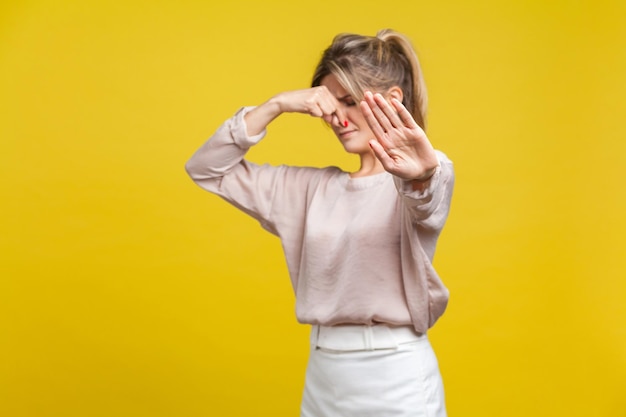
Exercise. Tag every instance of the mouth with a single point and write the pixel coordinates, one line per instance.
(345, 134)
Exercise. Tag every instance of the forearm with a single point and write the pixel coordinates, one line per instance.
(261, 116)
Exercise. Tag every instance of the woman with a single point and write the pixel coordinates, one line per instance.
(358, 245)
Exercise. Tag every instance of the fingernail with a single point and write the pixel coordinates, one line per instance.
(345, 123)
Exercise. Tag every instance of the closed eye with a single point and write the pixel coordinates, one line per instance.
(350, 103)
(347, 100)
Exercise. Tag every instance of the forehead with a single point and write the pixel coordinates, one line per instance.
(332, 83)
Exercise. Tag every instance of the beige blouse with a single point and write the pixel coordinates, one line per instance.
(358, 250)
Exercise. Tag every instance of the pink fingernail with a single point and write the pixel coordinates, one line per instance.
(345, 123)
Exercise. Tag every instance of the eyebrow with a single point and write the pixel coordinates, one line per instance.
(346, 97)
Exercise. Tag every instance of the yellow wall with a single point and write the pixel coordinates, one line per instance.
(125, 290)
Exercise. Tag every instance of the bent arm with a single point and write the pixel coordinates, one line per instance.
(219, 167)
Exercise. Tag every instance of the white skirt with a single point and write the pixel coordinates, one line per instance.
(377, 371)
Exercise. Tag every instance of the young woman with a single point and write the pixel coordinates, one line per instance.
(358, 245)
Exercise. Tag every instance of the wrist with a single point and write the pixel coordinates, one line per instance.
(274, 106)
(427, 175)
(279, 104)
(420, 183)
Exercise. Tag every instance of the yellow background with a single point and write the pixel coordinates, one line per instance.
(125, 290)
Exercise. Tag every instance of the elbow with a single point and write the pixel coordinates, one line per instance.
(201, 172)
(196, 170)
(191, 169)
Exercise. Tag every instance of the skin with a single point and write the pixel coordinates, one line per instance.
(380, 130)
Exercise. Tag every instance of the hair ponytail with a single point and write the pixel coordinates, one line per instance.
(417, 102)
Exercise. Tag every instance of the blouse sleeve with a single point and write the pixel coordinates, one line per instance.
(429, 207)
(265, 192)
(424, 217)
(223, 151)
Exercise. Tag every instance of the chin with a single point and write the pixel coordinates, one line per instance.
(356, 148)
(353, 150)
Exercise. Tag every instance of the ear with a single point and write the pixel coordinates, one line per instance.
(395, 92)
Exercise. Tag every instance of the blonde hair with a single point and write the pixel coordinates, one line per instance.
(376, 63)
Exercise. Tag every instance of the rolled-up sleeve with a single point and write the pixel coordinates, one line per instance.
(430, 206)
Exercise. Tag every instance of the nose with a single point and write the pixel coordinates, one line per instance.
(336, 122)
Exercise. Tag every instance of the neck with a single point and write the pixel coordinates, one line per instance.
(370, 165)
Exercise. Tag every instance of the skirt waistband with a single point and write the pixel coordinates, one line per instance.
(362, 337)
